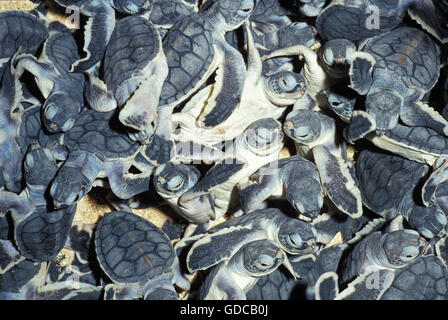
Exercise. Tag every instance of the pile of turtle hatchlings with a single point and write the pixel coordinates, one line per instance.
(196, 103)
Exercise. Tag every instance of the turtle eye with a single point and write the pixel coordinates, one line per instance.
(175, 183)
(328, 56)
(409, 253)
(246, 7)
(287, 82)
(264, 262)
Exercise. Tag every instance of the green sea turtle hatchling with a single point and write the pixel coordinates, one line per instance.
(391, 250)
(133, 71)
(19, 29)
(136, 255)
(171, 180)
(357, 20)
(100, 24)
(315, 137)
(195, 47)
(293, 235)
(259, 144)
(230, 280)
(98, 148)
(295, 178)
(395, 70)
(39, 232)
(62, 90)
(262, 95)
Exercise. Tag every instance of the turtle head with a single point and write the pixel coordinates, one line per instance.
(306, 196)
(303, 126)
(296, 236)
(39, 166)
(263, 135)
(235, 12)
(171, 180)
(335, 55)
(60, 112)
(384, 106)
(284, 88)
(261, 257)
(401, 247)
(340, 104)
(132, 6)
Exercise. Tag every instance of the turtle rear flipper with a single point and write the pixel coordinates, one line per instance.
(422, 115)
(361, 69)
(361, 124)
(424, 12)
(368, 286)
(326, 287)
(97, 33)
(253, 195)
(437, 177)
(228, 87)
(338, 182)
(214, 248)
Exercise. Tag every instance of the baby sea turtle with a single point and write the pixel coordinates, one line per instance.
(63, 91)
(221, 242)
(262, 95)
(100, 25)
(171, 180)
(388, 183)
(377, 251)
(260, 144)
(315, 136)
(395, 70)
(230, 280)
(135, 254)
(295, 178)
(19, 29)
(134, 65)
(357, 20)
(98, 148)
(39, 232)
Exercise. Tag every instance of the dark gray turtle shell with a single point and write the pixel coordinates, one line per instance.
(189, 51)
(276, 285)
(424, 279)
(31, 131)
(20, 29)
(133, 44)
(62, 50)
(101, 134)
(131, 249)
(166, 13)
(410, 54)
(385, 179)
(349, 22)
(42, 234)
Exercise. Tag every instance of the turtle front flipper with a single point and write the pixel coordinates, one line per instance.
(97, 33)
(361, 69)
(424, 13)
(218, 246)
(326, 287)
(252, 196)
(126, 185)
(422, 115)
(228, 87)
(216, 176)
(368, 286)
(338, 182)
(361, 124)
